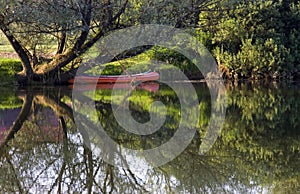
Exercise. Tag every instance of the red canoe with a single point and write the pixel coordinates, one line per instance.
(147, 76)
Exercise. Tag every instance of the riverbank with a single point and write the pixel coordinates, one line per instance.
(10, 65)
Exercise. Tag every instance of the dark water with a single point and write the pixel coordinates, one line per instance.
(42, 150)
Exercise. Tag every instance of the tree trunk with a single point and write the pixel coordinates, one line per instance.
(45, 78)
(23, 53)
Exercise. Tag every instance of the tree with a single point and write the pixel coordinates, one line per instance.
(34, 28)
(75, 25)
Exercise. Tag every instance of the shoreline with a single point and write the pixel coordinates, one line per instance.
(199, 78)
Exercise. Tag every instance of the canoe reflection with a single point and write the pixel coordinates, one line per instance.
(149, 86)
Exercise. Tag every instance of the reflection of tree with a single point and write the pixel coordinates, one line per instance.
(264, 113)
(20, 119)
(261, 131)
(32, 101)
(259, 147)
(68, 165)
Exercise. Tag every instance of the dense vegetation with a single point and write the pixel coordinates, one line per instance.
(254, 39)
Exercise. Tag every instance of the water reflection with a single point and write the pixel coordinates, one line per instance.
(258, 149)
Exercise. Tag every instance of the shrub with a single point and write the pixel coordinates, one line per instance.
(255, 38)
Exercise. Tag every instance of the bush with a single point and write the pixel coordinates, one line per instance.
(255, 38)
(254, 59)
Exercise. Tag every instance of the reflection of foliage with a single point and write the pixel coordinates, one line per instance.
(262, 127)
(8, 100)
(258, 149)
(139, 104)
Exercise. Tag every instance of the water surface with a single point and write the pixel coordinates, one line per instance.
(42, 150)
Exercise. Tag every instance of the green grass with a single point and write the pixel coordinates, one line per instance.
(8, 68)
(137, 64)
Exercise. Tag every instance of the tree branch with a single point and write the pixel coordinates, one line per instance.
(22, 52)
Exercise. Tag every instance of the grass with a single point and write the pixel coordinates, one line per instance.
(137, 64)
(8, 68)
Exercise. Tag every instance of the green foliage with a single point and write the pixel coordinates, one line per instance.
(255, 38)
(257, 119)
(254, 59)
(8, 68)
(167, 59)
(65, 30)
(205, 39)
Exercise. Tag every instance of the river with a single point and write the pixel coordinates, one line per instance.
(51, 142)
